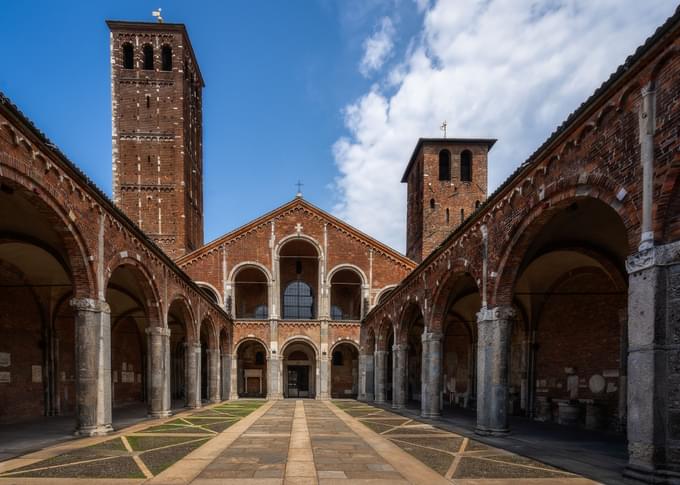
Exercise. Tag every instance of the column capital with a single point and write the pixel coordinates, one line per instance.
(653, 256)
(431, 337)
(90, 305)
(399, 347)
(504, 312)
(162, 331)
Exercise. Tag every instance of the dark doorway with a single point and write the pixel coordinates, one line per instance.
(298, 381)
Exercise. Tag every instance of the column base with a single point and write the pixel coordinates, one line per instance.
(195, 406)
(633, 473)
(368, 397)
(94, 430)
(379, 401)
(431, 415)
(484, 431)
(398, 406)
(233, 397)
(275, 397)
(215, 400)
(159, 414)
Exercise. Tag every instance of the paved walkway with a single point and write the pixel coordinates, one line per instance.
(288, 442)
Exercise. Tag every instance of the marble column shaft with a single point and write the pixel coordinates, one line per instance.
(399, 378)
(380, 364)
(93, 366)
(494, 330)
(158, 339)
(432, 375)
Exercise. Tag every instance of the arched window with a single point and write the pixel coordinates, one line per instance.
(466, 166)
(261, 312)
(166, 58)
(148, 57)
(298, 301)
(444, 165)
(128, 56)
(431, 203)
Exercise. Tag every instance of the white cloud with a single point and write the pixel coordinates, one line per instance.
(506, 69)
(378, 47)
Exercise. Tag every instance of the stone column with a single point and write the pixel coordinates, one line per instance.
(235, 378)
(366, 377)
(399, 379)
(493, 342)
(430, 404)
(225, 366)
(274, 377)
(654, 364)
(380, 363)
(193, 356)
(324, 391)
(93, 366)
(213, 375)
(158, 339)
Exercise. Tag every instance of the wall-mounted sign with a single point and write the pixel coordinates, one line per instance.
(36, 373)
(5, 359)
(5, 377)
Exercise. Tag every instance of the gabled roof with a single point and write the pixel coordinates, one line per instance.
(163, 27)
(489, 142)
(298, 202)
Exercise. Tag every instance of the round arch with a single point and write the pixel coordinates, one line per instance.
(212, 290)
(144, 279)
(300, 339)
(244, 340)
(348, 341)
(252, 356)
(40, 198)
(383, 291)
(187, 311)
(293, 237)
(350, 267)
(533, 223)
(249, 264)
(344, 375)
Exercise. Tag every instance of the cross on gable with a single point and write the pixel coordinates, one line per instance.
(298, 228)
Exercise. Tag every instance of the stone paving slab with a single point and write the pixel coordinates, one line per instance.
(452, 456)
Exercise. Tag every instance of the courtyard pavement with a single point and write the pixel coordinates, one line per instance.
(292, 442)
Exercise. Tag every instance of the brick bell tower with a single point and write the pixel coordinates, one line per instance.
(447, 181)
(157, 133)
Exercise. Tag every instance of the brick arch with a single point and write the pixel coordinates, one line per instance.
(441, 300)
(367, 340)
(146, 282)
(190, 325)
(225, 343)
(244, 340)
(531, 225)
(345, 340)
(80, 271)
(300, 339)
(411, 311)
(667, 223)
(212, 331)
(385, 327)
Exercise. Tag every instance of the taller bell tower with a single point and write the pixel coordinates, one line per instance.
(447, 181)
(157, 133)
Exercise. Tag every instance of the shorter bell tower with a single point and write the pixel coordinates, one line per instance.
(447, 181)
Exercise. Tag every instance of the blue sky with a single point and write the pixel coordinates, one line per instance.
(334, 93)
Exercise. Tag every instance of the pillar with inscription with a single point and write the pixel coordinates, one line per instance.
(431, 405)
(158, 339)
(93, 364)
(494, 329)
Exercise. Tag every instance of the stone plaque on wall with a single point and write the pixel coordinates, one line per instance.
(36, 373)
(5, 377)
(5, 359)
